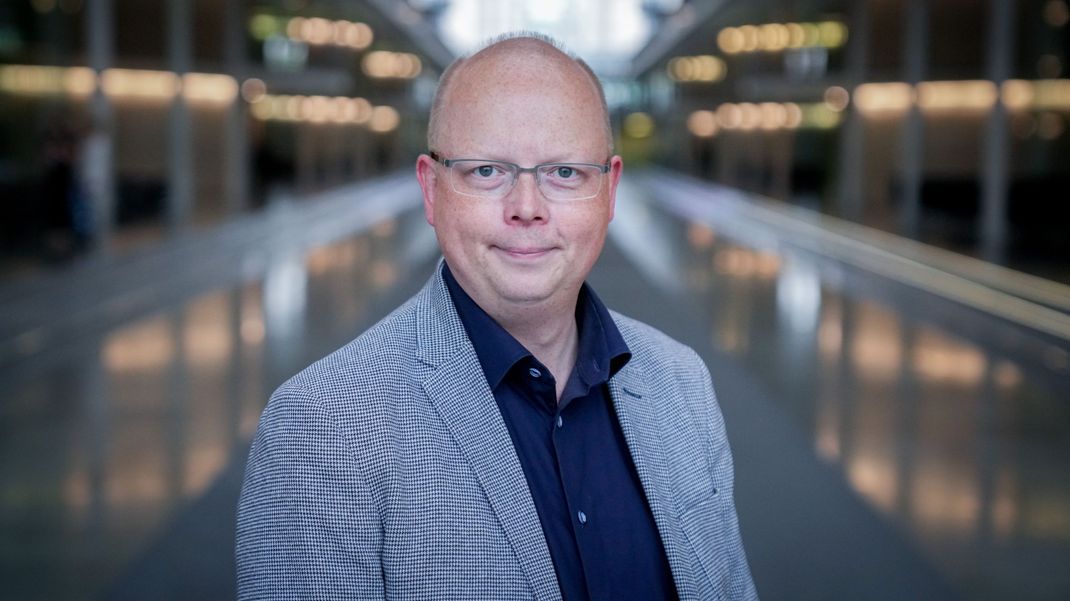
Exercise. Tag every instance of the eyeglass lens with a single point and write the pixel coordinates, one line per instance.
(559, 181)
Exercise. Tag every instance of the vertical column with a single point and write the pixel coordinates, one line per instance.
(176, 427)
(852, 140)
(236, 371)
(99, 418)
(728, 158)
(236, 180)
(912, 149)
(358, 152)
(995, 168)
(906, 420)
(181, 177)
(98, 152)
(780, 148)
(989, 452)
(306, 156)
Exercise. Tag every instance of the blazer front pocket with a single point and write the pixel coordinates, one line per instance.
(706, 525)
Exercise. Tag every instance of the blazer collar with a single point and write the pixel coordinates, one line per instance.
(638, 410)
(455, 383)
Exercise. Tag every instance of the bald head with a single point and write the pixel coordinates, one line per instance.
(516, 63)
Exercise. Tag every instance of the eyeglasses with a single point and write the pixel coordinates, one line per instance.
(495, 179)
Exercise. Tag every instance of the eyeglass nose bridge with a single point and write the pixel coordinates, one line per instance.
(518, 171)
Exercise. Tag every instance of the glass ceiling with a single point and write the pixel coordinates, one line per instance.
(606, 33)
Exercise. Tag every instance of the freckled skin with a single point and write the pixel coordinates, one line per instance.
(523, 257)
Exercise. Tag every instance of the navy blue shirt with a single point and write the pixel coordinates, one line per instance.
(598, 526)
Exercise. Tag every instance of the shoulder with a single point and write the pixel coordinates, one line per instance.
(652, 347)
(361, 377)
(386, 347)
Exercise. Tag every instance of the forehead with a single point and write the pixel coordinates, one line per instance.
(524, 102)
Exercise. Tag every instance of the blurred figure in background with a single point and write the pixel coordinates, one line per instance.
(63, 194)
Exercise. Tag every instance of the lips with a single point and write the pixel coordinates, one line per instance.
(525, 252)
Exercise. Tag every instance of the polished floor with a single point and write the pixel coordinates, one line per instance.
(898, 433)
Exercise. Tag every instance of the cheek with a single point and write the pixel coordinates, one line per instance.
(461, 223)
(587, 226)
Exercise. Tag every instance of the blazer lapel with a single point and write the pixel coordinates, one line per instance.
(458, 389)
(636, 408)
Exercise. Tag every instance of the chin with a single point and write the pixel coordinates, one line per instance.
(524, 294)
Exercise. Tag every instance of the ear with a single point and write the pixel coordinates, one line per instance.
(428, 178)
(616, 168)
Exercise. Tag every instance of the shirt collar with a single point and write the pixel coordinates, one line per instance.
(602, 350)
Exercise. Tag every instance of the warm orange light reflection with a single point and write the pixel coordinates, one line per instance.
(1007, 375)
(145, 346)
(827, 441)
(956, 95)
(320, 32)
(34, 79)
(830, 334)
(317, 109)
(137, 470)
(940, 359)
(777, 37)
(873, 475)
(703, 68)
(766, 116)
(383, 64)
(383, 273)
(206, 333)
(945, 498)
(884, 97)
(1005, 508)
(702, 124)
(744, 263)
(253, 90)
(875, 348)
(147, 85)
(203, 463)
(1051, 94)
(385, 228)
(384, 119)
(209, 88)
(700, 236)
(837, 98)
(1056, 13)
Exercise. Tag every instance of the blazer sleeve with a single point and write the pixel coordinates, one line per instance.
(308, 526)
(740, 583)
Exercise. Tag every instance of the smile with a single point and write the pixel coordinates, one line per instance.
(524, 252)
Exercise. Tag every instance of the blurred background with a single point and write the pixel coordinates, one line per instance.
(855, 210)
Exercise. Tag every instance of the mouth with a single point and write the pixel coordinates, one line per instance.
(522, 253)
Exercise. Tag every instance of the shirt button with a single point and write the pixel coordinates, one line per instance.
(560, 421)
(582, 517)
(534, 372)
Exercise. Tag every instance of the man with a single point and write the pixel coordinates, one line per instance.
(502, 435)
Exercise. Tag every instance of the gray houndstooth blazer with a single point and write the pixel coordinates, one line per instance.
(385, 471)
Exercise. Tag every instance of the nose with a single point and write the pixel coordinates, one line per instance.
(525, 204)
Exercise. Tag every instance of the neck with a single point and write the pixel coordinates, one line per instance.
(549, 332)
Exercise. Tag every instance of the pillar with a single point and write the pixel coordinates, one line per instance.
(995, 169)
(851, 201)
(912, 150)
(181, 185)
(99, 149)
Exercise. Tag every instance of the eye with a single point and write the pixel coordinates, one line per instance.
(485, 170)
(565, 172)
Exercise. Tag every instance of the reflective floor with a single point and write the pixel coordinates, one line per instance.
(953, 424)
(890, 444)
